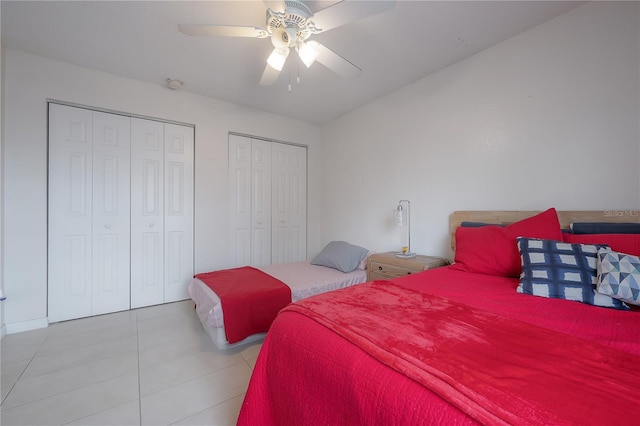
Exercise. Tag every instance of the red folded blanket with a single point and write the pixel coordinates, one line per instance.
(250, 299)
(495, 369)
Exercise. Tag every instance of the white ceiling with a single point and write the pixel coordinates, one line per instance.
(140, 40)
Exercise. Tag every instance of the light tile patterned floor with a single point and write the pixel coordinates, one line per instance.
(149, 366)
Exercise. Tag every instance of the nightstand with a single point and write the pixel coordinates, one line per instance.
(386, 266)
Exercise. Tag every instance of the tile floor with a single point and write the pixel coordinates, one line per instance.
(149, 366)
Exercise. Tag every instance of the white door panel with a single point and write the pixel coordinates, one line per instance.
(70, 212)
(240, 199)
(179, 186)
(147, 212)
(260, 203)
(111, 211)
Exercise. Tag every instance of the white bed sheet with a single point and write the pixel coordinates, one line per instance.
(303, 278)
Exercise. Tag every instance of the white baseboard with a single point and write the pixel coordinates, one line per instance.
(3, 331)
(18, 327)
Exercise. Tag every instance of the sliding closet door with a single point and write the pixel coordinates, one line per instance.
(147, 212)
(88, 240)
(178, 210)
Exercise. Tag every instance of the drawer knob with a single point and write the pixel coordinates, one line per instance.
(379, 268)
(408, 273)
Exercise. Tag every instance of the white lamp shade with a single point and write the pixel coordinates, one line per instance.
(277, 58)
(399, 216)
(308, 53)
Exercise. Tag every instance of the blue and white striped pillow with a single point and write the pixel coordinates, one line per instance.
(561, 270)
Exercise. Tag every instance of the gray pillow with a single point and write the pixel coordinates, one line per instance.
(340, 255)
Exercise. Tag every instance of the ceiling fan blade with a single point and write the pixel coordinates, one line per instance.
(221, 30)
(333, 61)
(347, 11)
(275, 5)
(269, 76)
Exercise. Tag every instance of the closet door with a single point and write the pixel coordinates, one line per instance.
(161, 212)
(111, 210)
(297, 236)
(178, 211)
(240, 199)
(260, 203)
(70, 212)
(147, 212)
(289, 202)
(88, 241)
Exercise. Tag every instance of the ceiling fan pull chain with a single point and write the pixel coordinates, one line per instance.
(289, 76)
(298, 68)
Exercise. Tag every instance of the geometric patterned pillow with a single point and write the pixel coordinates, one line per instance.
(562, 271)
(619, 275)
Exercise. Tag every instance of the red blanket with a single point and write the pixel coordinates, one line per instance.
(495, 369)
(250, 299)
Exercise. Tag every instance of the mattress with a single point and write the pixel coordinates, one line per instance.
(303, 278)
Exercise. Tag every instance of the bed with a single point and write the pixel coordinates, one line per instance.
(337, 266)
(460, 344)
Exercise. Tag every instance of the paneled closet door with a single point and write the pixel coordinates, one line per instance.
(260, 203)
(88, 241)
(178, 219)
(240, 199)
(298, 203)
(70, 212)
(289, 212)
(147, 212)
(111, 237)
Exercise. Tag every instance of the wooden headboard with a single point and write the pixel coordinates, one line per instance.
(566, 218)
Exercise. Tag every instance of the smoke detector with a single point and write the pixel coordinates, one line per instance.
(174, 83)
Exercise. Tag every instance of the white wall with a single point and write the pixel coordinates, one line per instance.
(30, 80)
(2, 327)
(547, 118)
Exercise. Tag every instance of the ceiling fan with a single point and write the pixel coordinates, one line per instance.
(290, 24)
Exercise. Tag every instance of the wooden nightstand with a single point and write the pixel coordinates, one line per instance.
(385, 266)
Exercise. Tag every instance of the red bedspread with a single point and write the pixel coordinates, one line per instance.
(545, 361)
(250, 299)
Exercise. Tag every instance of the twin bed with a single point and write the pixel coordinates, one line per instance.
(461, 344)
(303, 278)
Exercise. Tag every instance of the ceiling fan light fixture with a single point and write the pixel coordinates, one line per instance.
(277, 58)
(307, 53)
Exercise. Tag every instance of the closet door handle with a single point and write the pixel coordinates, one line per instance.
(107, 226)
(151, 225)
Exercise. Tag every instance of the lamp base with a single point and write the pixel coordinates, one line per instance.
(405, 255)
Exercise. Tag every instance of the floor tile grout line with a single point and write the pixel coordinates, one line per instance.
(97, 413)
(193, 379)
(86, 346)
(35, 353)
(208, 408)
(65, 392)
(77, 365)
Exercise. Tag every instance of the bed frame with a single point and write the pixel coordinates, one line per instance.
(566, 218)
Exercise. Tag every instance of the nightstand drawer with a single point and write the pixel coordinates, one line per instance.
(392, 270)
(386, 266)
